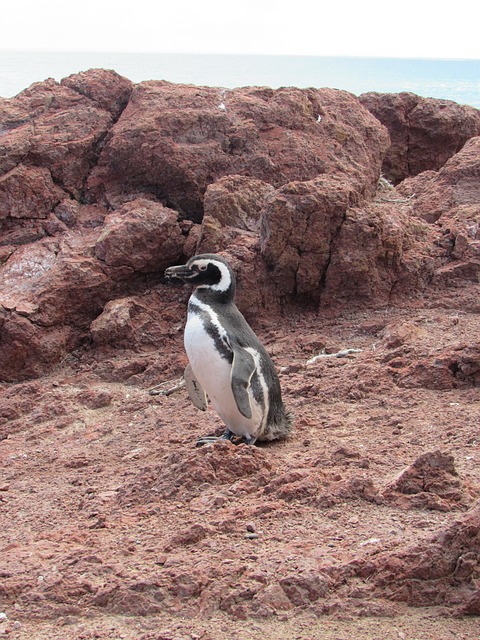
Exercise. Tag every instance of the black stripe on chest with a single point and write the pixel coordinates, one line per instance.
(220, 341)
(257, 390)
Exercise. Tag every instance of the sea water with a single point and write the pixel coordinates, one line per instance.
(457, 80)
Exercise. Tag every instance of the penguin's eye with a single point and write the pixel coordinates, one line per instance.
(203, 267)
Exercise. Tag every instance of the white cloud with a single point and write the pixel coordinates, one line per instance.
(370, 28)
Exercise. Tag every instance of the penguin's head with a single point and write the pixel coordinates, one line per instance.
(207, 271)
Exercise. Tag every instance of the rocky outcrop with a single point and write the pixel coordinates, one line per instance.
(112, 172)
(105, 88)
(173, 141)
(141, 236)
(431, 482)
(449, 198)
(424, 132)
(299, 225)
(103, 184)
(443, 570)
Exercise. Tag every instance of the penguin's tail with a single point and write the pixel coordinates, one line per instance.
(279, 427)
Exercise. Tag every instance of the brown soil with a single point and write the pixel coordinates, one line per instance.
(114, 525)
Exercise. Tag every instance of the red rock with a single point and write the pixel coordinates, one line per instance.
(274, 597)
(95, 398)
(192, 535)
(305, 587)
(450, 198)
(424, 574)
(466, 365)
(472, 607)
(184, 585)
(28, 192)
(370, 255)
(222, 463)
(429, 373)
(298, 226)
(139, 599)
(233, 207)
(139, 322)
(455, 367)
(106, 88)
(173, 140)
(56, 127)
(454, 185)
(67, 287)
(14, 145)
(142, 235)
(295, 485)
(425, 132)
(114, 324)
(40, 319)
(65, 142)
(432, 482)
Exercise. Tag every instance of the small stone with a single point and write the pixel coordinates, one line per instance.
(251, 536)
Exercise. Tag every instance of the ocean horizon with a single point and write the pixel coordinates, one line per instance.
(457, 80)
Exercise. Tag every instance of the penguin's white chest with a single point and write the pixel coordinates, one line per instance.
(207, 347)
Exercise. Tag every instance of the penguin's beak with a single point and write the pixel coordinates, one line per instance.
(182, 272)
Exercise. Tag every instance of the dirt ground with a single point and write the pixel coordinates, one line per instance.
(114, 525)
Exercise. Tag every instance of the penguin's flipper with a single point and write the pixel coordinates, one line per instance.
(195, 391)
(243, 368)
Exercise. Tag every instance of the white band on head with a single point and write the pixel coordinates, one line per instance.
(225, 277)
(225, 280)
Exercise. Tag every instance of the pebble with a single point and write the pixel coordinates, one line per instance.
(251, 536)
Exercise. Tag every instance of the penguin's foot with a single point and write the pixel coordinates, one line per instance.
(228, 435)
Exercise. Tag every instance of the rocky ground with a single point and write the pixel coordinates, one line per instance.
(116, 525)
(364, 289)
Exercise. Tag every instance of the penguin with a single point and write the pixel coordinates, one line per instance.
(228, 365)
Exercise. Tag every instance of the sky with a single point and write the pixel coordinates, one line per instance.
(406, 28)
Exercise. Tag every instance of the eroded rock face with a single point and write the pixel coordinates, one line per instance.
(444, 570)
(175, 140)
(54, 127)
(233, 206)
(53, 289)
(298, 227)
(103, 184)
(106, 88)
(28, 193)
(449, 199)
(431, 482)
(142, 235)
(425, 132)
(454, 185)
